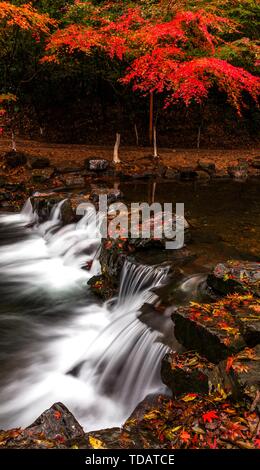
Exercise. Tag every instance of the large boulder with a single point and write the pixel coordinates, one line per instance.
(55, 428)
(235, 276)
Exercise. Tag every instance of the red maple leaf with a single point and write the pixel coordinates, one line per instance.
(209, 416)
(229, 363)
(257, 442)
(185, 436)
(57, 415)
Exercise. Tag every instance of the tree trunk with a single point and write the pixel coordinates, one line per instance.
(13, 142)
(155, 150)
(116, 148)
(198, 137)
(136, 136)
(151, 119)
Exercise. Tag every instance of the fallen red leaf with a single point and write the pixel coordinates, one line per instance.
(57, 415)
(209, 416)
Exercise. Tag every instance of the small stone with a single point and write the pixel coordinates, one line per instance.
(41, 175)
(172, 173)
(96, 164)
(239, 171)
(74, 180)
(256, 163)
(188, 174)
(207, 166)
(14, 159)
(202, 175)
(36, 163)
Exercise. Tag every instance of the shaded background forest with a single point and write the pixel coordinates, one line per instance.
(81, 101)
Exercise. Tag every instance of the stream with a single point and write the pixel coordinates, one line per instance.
(59, 344)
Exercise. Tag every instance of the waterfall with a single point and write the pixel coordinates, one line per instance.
(57, 342)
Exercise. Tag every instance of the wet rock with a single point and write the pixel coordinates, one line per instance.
(100, 286)
(74, 181)
(221, 173)
(239, 171)
(96, 164)
(3, 181)
(113, 195)
(14, 159)
(60, 169)
(235, 276)
(208, 341)
(207, 166)
(254, 172)
(42, 175)
(241, 375)
(188, 174)
(57, 421)
(38, 163)
(172, 173)
(44, 206)
(202, 175)
(256, 163)
(55, 428)
(187, 373)
(220, 329)
(112, 258)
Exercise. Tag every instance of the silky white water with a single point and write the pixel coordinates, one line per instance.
(56, 342)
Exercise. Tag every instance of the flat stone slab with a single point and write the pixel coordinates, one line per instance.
(235, 276)
(220, 329)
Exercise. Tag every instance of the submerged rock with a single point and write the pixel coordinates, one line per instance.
(235, 276)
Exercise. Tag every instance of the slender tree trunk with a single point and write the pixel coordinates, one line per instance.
(198, 137)
(116, 158)
(136, 136)
(155, 150)
(13, 141)
(151, 118)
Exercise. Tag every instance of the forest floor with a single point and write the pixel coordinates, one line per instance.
(137, 157)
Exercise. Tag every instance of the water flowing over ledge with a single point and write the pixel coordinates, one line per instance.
(58, 344)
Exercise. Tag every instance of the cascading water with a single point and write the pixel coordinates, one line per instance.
(57, 343)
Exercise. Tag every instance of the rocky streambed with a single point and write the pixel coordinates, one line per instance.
(208, 318)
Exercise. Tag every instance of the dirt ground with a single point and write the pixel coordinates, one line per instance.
(130, 156)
